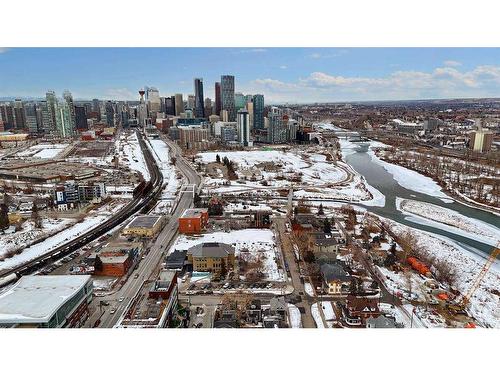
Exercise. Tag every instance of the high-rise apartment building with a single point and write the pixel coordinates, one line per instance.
(218, 103)
(199, 105)
(110, 113)
(208, 107)
(258, 111)
(51, 103)
(170, 106)
(81, 118)
(68, 97)
(19, 114)
(227, 96)
(243, 127)
(64, 125)
(191, 102)
(239, 101)
(179, 104)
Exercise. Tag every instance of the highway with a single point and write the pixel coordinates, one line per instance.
(148, 266)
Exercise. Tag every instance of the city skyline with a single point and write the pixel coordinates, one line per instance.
(293, 75)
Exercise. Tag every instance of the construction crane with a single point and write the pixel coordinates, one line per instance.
(491, 259)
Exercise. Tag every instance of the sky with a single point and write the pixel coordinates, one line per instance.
(293, 75)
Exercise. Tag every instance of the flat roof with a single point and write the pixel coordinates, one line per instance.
(144, 221)
(194, 212)
(35, 299)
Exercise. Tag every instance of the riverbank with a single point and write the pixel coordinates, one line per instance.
(485, 300)
(449, 220)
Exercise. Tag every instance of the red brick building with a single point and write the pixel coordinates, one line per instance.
(193, 221)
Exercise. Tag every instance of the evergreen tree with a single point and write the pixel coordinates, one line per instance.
(217, 159)
(320, 210)
(327, 227)
(4, 216)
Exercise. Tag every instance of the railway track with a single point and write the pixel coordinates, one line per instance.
(141, 203)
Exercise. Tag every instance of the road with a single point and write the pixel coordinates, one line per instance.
(150, 264)
(148, 195)
(288, 254)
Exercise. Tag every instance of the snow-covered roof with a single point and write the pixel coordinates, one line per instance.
(35, 299)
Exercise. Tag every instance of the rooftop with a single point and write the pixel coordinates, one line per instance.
(35, 299)
(211, 249)
(194, 212)
(144, 221)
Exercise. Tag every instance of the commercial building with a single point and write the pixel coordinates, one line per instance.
(193, 220)
(211, 257)
(115, 259)
(179, 104)
(218, 100)
(244, 128)
(227, 96)
(258, 111)
(81, 118)
(46, 302)
(199, 103)
(143, 226)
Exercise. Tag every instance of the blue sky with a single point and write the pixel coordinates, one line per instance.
(281, 74)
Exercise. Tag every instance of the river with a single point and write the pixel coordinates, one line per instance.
(382, 180)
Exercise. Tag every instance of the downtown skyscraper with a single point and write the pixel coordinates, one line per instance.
(218, 104)
(198, 98)
(258, 111)
(227, 96)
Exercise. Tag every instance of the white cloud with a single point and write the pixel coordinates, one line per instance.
(315, 55)
(283, 67)
(452, 63)
(442, 82)
(251, 50)
(121, 94)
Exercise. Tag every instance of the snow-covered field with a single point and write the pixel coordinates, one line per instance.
(314, 169)
(327, 312)
(258, 243)
(430, 214)
(62, 237)
(44, 151)
(131, 154)
(310, 172)
(407, 178)
(485, 301)
(160, 151)
(294, 316)
(28, 234)
(309, 289)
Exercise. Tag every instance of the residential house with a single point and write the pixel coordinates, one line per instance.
(336, 279)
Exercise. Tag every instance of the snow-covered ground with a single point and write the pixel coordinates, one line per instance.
(485, 301)
(314, 169)
(160, 151)
(449, 220)
(257, 243)
(66, 235)
(131, 154)
(407, 178)
(294, 316)
(43, 151)
(327, 312)
(309, 289)
(28, 234)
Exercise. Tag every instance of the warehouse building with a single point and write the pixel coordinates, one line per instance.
(143, 226)
(46, 302)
